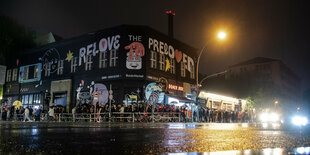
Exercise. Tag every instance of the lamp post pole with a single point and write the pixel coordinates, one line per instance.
(197, 68)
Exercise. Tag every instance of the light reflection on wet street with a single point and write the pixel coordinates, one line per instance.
(128, 138)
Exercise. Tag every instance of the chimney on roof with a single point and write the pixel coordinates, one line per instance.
(170, 23)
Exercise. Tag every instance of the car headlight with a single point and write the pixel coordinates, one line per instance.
(264, 117)
(274, 117)
(300, 120)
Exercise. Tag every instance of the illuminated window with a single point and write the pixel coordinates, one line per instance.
(35, 71)
(8, 75)
(183, 71)
(153, 59)
(26, 100)
(88, 62)
(103, 59)
(161, 62)
(172, 66)
(192, 71)
(30, 99)
(74, 64)
(60, 68)
(14, 76)
(113, 58)
(26, 73)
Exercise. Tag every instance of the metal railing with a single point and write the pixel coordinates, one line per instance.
(104, 117)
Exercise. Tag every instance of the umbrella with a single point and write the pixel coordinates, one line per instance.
(18, 104)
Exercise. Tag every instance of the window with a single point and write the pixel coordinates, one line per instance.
(14, 76)
(161, 62)
(153, 59)
(74, 64)
(183, 71)
(172, 66)
(30, 99)
(113, 58)
(192, 71)
(35, 71)
(26, 73)
(103, 60)
(60, 67)
(8, 75)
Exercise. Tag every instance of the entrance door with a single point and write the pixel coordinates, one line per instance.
(60, 99)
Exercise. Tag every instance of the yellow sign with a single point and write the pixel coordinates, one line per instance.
(133, 97)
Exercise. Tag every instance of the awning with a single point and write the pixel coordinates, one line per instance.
(181, 98)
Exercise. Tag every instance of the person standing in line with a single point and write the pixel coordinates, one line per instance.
(8, 114)
(26, 115)
(73, 113)
(122, 110)
(51, 113)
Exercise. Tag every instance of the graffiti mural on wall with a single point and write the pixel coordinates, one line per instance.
(154, 93)
(104, 45)
(94, 93)
(50, 58)
(100, 94)
(170, 52)
(136, 51)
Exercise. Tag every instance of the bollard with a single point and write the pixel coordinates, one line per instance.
(59, 118)
(133, 117)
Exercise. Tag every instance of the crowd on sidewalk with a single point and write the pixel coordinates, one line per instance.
(201, 114)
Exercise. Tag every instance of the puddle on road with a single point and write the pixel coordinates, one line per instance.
(268, 151)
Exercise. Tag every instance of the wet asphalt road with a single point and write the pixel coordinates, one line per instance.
(145, 138)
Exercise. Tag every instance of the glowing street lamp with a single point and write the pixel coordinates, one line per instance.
(276, 102)
(221, 36)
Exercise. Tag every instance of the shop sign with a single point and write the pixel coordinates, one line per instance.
(110, 77)
(22, 90)
(133, 97)
(175, 87)
(134, 76)
(153, 78)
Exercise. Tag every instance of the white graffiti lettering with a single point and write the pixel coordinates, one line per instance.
(104, 44)
(164, 48)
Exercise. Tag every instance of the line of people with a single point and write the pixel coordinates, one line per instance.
(221, 116)
(200, 115)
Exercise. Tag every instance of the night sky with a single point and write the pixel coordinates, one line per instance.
(277, 29)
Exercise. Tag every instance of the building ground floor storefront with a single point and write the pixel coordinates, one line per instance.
(221, 102)
(72, 92)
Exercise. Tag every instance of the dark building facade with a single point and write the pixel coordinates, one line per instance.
(136, 62)
(267, 80)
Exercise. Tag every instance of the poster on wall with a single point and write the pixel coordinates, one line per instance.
(2, 74)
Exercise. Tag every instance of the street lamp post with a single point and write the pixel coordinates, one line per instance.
(221, 35)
